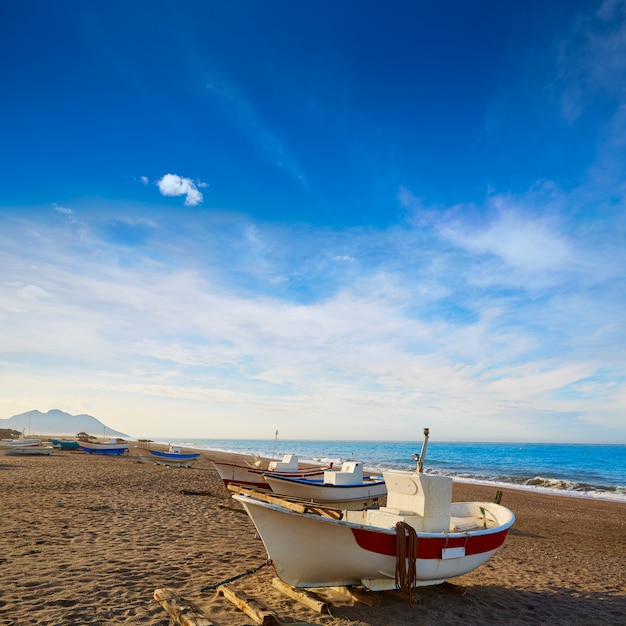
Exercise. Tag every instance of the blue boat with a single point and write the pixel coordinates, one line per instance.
(110, 447)
(173, 457)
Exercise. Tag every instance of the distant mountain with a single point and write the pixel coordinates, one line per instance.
(57, 422)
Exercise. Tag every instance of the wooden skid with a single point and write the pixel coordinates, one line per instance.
(303, 596)
(249, 605)
(364, 596)
(183, 612)
(293, 504)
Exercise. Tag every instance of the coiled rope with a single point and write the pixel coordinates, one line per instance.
(406, 556)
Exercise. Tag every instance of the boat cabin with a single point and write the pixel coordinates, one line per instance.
(288, 464)
(351, 473)
(420, 500)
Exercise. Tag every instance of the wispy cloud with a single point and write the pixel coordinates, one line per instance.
(242, 113)
(415, 331)
(592, 59)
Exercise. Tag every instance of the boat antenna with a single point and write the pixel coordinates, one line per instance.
(274, 451)
(420, 457)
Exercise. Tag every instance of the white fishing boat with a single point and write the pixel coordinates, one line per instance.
(419, 538)
(19, 443)
(107, 447)
(250, 472)
(19, 447)
(347, 488)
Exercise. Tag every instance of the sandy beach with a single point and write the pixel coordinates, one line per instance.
(86, 539)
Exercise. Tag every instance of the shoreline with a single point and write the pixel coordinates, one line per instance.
(591, 495)
(86, 539)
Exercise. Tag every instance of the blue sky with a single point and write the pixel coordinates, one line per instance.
(341, 220)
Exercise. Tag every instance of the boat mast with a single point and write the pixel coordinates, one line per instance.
(420, 457)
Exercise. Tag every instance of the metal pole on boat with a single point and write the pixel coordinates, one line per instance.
(275, 440)
(420, 457)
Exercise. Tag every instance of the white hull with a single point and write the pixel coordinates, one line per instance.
(253, 476)
(342, 496)
(19, 443)
(312, 551)
(29, 450)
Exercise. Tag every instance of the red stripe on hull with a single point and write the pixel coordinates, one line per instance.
(429, 547)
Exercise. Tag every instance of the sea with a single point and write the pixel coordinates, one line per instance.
(579, 470)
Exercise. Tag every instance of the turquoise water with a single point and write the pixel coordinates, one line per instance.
(575, 469)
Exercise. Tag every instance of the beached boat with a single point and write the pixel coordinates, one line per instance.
(419, 538)
(108, 447)
(347, 488)
(251, 472)
(174, 456)
(18, 447)
(63, 444)
(19, 443)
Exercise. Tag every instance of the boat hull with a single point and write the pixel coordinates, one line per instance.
(19, 443)
(172, 458)
(251, 476)
(312, 551)
(343, 496)
(28, 450)
(104, 448)
(65, 445)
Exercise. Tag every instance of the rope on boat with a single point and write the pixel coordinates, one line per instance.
(406, 556)
(249, 572)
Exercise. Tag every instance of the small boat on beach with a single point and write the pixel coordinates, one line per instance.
(108, 447)
(251, 472)
(64, 444)
(174, 456)
(419, 538)
(346, 488)
(19, 443)
(19, 447)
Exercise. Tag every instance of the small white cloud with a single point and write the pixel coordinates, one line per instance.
(173, 185)
(144, 179)
(62, 209)
(32, 292)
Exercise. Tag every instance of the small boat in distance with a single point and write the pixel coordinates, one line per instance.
(108, 447)
(63, 444)
(174, 456)
(419, 538)
(19, 443)
(347, 488)
(251, 472)
(18, 447)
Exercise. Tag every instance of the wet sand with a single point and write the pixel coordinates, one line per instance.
(86, 539)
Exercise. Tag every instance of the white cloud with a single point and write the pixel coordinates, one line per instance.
(62, 209)
(144, 179)
(33, 292)
(523, 242)
(173, 185)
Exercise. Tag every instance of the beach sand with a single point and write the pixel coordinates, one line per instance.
(86, 539)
